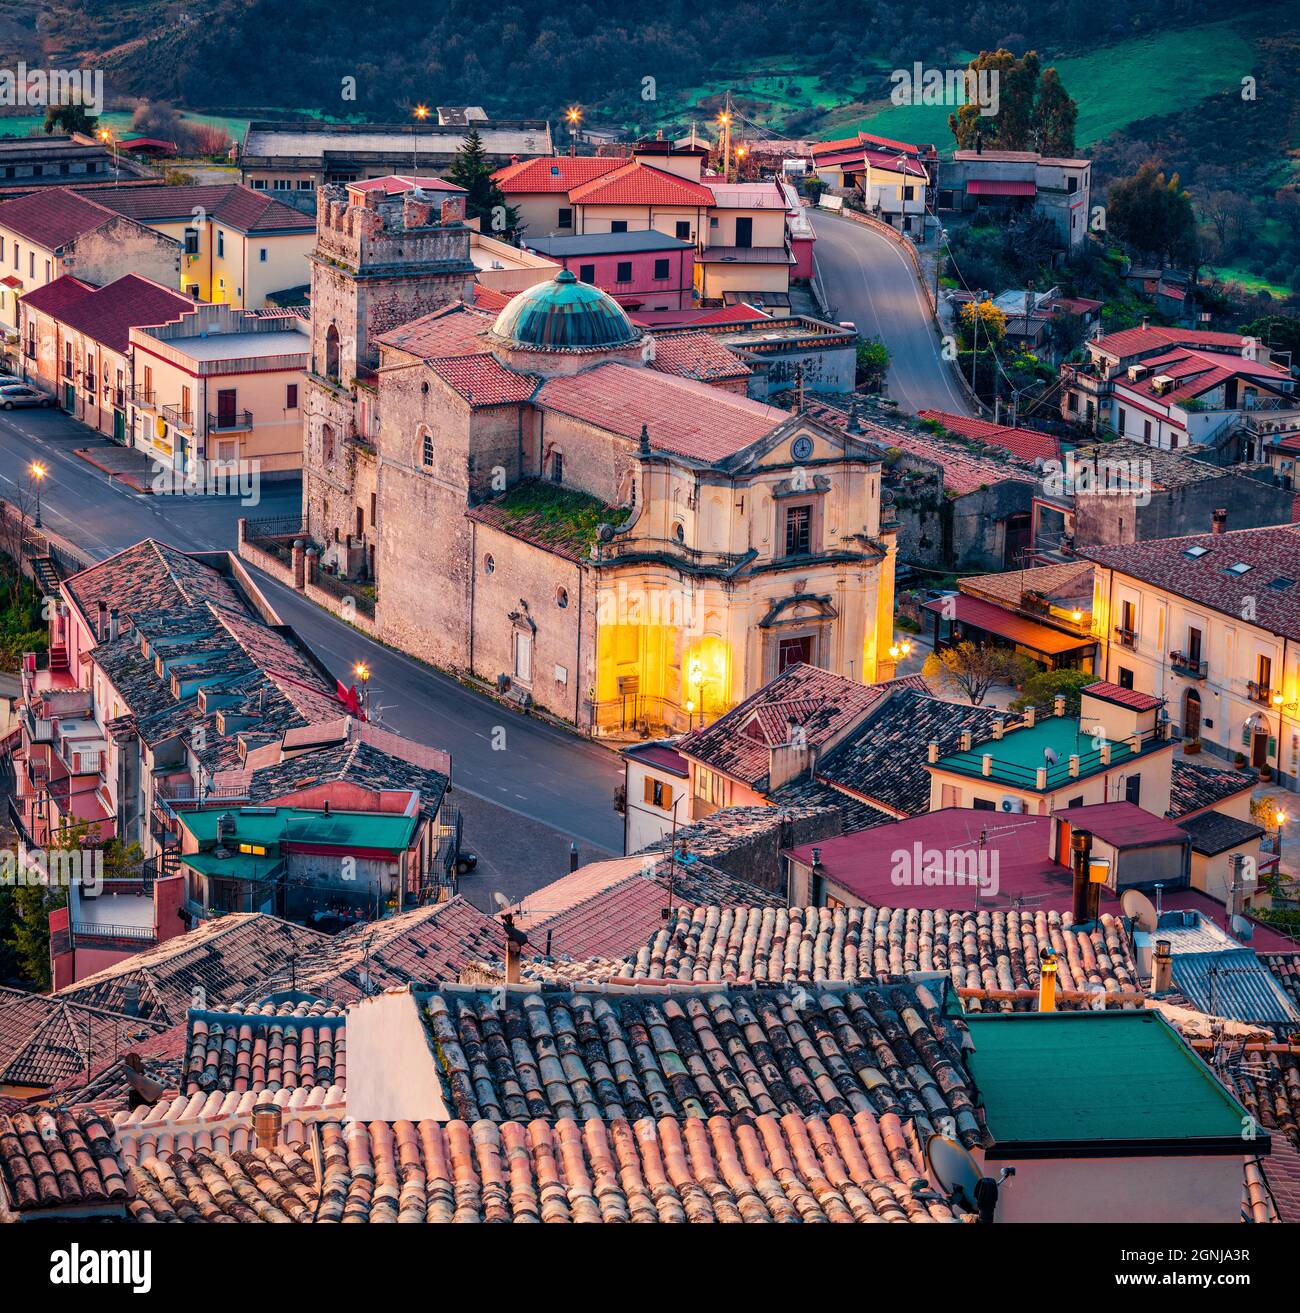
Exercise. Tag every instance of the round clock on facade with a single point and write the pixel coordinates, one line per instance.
(802, 447)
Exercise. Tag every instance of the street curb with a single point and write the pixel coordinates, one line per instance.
(129, 479)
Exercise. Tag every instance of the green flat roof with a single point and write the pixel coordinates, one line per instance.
(1017, 755)
(237, 866)
(1097, 1084)
(340, 829)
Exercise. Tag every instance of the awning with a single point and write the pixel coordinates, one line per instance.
(996, 187)
(1006, 624)
(12, 281)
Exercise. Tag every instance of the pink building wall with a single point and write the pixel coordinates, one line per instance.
(802, 250)
(643, 292)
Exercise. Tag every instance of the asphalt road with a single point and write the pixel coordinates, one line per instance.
(543, 788)
(870, 281)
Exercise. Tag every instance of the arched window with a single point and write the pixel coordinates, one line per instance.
(326, 443)
(332, 364)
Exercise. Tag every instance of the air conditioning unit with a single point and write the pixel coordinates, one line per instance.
(1162, 382)
(1136, 372)
(1011, 803)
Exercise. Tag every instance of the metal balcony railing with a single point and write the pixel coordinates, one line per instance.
(182, 419)
(144, 397)
(1192, 667)
(1262, 693)
(230, 423)
(1126, 637)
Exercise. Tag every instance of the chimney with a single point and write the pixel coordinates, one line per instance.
(1145, 322)
(514, 159)
(1058, 705)
(1162, 968)
(964, 741)
(453, 209)
(1047, 981)
(101, 622)
(515, 940)
(327, 806)
(266, 1125)
(416, 212)
(1236, 884)
(816, 858)
(932, 752)
(1080, 860)
(1220, 519)
(112, 626)
(573, 856)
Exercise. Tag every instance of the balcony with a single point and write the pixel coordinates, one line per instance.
(234, 422)
(1126, 637)
(178, 418)
(134, 938)
(1190, 666)
(146, 398)
(1261, 693)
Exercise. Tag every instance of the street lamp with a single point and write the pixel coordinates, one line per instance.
(1280, 817)
(420, 113)
(362, 672)
(573, 117)
(38, 473)
(106, 136)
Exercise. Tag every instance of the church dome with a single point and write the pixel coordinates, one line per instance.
(564, 315)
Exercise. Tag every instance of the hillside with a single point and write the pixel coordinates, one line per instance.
(533, 60)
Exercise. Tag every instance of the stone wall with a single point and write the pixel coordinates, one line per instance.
(119, 247)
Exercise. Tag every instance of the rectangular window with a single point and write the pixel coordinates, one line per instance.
(1071, 186)
(683, 230)
(191, 241)
(798, 530)
(259, 184)
(261, 255)
(623, 274)
(744, 232)
(565, 219)
(658, 794)
(587, 273)
(711, 787)
(47, 271)
(1123, 416)
(1146, 430)
(618, 226)
(1133, 790)
(557, 467)
(1125, 677)
(661, 271)
(221, 242)
(291, 397)
(983, 804)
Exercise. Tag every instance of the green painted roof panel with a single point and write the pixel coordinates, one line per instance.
(385, 830)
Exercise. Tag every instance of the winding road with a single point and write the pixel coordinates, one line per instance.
(870, 281)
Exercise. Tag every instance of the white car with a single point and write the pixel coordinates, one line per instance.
(13, 395)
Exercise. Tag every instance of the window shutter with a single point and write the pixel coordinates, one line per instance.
(667, 796)
(649, 790)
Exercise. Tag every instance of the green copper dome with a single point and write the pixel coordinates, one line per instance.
(565, 314)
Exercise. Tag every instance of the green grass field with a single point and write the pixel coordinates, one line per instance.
(1250, 282)
(1114, 85)
(24, 125)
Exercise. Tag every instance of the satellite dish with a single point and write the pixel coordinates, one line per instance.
(958, 1175)
(1243, 928)
(954, 1170)
(500, 899)
(1138, 906)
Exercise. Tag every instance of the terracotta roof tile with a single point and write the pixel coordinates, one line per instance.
(1123, 697)
(786, 1169)
(53, 217)
(636, 183)
(59, 1159)
(647, 1052)
(1028, 444)
(107, 314)
(683, 417)
(266, 1047)
(990, 953)
(553, 173)
(483, 381)
(231, 203)
(1194, 787)
(451, 331)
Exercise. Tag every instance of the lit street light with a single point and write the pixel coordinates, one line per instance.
(38, 473)
(420, 112)
(362, 672)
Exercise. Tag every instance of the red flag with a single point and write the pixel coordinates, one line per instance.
(351, 701)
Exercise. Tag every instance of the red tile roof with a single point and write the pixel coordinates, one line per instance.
(1130, 341)
(1196, 372)
(59, 1158)
(483, 381)
(232, 203)
(697, 355)
(396, 183)
(821, 702)
(1028, 444)
(996, 619)
(488, 298)
(1123, 824)
(57, 298)
(53, 218)
(684, 417)
(107, 314)
(1001, 187)
(452, 331)
(641, 184)
(553, 173)
(1272, 583)
(1124, 697)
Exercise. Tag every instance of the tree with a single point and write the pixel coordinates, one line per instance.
(1153, 215)
(1055, 115)
(975, 669)
(873, 363)
(70, 118)
(1034, 111)
(1041, 690)
(992, 323)
(484, 200)
(1277, 332)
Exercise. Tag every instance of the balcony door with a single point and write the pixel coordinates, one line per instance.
(226, 408)
(744, 232)
(1191, 714)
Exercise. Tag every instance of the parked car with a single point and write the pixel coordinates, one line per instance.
(19, 394)
(10, 380)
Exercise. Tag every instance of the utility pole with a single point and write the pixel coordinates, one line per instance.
(726, 139)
